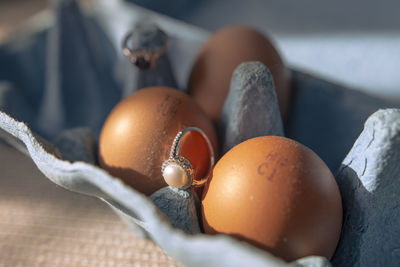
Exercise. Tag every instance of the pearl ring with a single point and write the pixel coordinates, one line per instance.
(178, 170)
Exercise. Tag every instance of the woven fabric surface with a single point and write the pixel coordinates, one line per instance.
(42, 224)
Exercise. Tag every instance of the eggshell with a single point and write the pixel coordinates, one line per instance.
(137, 135)
(194, 147)
(221, 54)
(276, 194)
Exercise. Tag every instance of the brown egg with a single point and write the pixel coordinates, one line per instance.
(137, 135)
(276, 194)
(212, 71)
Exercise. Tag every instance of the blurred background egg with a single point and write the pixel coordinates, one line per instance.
(212, 71)
(276, 194)
(137, 135)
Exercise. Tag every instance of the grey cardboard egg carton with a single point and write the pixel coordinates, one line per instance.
(357, 135)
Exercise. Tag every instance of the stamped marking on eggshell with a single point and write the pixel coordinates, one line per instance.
(169, 105)
(272, 161)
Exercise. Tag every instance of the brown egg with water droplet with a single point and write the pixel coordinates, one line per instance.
(276, 194)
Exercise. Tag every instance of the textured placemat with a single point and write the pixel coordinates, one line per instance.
(42, 224)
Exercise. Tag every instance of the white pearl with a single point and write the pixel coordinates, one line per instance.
(176, 176)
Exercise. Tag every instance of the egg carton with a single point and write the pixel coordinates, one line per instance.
(78, 49)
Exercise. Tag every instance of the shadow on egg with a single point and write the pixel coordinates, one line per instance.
(129, 176)
(241, 238)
